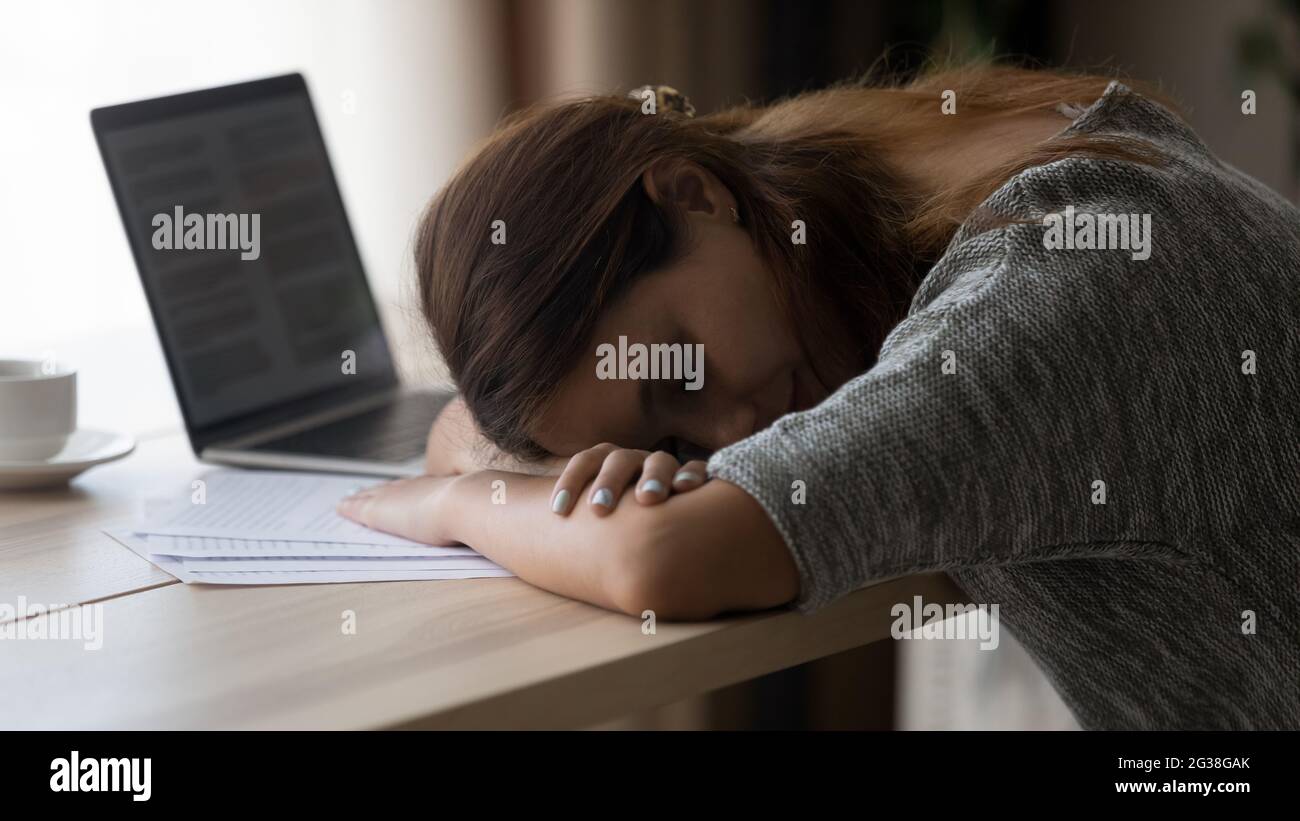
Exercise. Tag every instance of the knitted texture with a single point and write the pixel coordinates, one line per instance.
(1065, 369)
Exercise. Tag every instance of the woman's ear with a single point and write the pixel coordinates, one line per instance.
(690, 187)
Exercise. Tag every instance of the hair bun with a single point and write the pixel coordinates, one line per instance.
(667, 98)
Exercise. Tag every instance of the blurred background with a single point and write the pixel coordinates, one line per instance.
(404, 89)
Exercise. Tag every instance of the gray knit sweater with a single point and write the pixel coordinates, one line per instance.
(1105, 447)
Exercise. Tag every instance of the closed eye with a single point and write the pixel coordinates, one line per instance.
(689, 450)
(681, 449)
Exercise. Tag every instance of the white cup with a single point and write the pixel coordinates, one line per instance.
(38, 409)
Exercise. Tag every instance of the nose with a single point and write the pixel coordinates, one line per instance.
(727, 426)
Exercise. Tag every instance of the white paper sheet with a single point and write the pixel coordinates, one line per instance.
(274, 527)
(340, 576)
(318, 563)
(139, 544)
(257, 504)
(219, 547)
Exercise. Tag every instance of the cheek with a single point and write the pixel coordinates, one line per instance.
(741, 355)
(746, 339)
(586, 411)
(739, 366)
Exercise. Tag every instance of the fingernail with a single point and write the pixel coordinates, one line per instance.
(561, 502)
(652, 486)
(603, 497)
(686, 476)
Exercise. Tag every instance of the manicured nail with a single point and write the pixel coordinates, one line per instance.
(686, 476)
(603, 497)
(652, 486)
(560, 504)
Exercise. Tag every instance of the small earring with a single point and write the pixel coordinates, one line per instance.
(735, 216)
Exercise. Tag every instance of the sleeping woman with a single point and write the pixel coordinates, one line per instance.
(1017, 326)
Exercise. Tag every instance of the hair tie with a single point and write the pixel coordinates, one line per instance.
(667, 98)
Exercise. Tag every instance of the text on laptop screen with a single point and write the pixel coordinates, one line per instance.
(245, 249)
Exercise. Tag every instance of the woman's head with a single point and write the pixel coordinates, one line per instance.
(712, 293)
(610, 222)
(780, 240)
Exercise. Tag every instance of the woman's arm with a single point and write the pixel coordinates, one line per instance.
(691, 557)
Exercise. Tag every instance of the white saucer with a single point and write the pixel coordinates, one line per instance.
(85, 449)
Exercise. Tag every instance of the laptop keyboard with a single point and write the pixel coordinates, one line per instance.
(394, 432)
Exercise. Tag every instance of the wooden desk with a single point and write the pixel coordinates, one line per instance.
(475, 653)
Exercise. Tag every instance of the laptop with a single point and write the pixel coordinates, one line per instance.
(252, 274)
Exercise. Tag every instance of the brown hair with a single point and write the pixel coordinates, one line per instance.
(565, 178)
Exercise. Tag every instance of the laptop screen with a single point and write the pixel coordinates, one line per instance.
(243, 247)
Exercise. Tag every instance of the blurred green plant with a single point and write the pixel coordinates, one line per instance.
(1270, 48)
(969, 30)
(924, 33)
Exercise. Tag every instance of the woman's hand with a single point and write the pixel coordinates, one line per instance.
(707, 552)
(614, 468)
(410, 508)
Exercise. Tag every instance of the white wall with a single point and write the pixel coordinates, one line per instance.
(403, 89)
(422, 78)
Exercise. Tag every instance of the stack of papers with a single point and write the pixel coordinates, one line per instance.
(265, 527)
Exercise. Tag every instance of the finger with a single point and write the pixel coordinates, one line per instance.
(400, 507)
(582, 466)
(618, 471)
(690, 476)
(359, 506)
(656, 478)
(361, 494)
(351, 505)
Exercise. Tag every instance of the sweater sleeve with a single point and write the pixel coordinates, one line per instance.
(978, 438)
